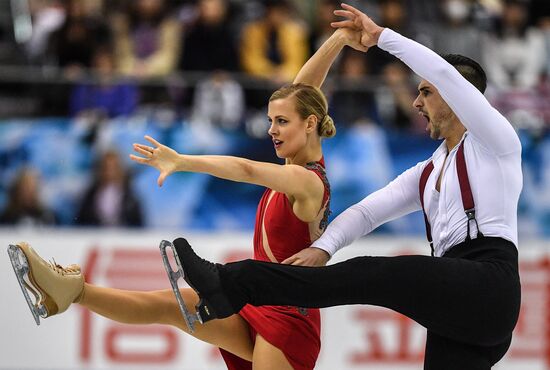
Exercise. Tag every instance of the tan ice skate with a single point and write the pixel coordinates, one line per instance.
(54, 287)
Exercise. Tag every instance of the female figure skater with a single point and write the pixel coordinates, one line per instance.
(291, 215)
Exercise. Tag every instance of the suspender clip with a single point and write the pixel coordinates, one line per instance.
(471, 214)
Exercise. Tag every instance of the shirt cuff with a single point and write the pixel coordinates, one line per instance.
(385, 37)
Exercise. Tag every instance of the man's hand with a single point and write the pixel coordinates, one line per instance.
(308, 257)
(357, 20)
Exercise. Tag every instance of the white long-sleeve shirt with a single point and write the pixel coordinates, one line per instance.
(493, 158)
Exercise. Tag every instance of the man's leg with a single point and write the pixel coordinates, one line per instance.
(468, 301)
(448, 354)
(456, 298)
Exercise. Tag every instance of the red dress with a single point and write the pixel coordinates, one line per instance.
(278, 235)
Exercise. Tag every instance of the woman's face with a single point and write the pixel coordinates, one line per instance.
(288, 130)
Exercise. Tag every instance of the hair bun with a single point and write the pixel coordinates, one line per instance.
(327, 127)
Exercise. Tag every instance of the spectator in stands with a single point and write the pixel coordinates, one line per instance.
(73, 44)
(514, 50)
(395, 97)
(353, 102)
(47, 17)
(212, 28)
(541, 13)
(218, 100)
(457, 34)
(105, 96)
(147, 39)
(275, 46)
(24, 207)
(110, 200)
(392, 15)
(322, 28)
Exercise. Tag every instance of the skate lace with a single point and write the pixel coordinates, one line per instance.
(68, 270)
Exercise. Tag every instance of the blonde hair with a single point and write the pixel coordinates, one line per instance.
(309, 100)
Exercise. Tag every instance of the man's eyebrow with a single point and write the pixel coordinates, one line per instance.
(420, 89)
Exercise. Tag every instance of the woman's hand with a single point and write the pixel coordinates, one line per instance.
(160, 156)
(308, 257)
(351, 37)
(358, 21)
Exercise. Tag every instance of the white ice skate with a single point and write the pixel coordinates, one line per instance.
(54, 287)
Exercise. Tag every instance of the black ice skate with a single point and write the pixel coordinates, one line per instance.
(201, 275)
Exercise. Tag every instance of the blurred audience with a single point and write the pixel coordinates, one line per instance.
(209, 44)
(275, 46)
(351, 103)
(457, 34)
(24, 206)
(219, 101)
(322, 29)
(47, 17)
(395, 98)
(106, 95)
(393, 14)
(110, 200)
(147, 39)
(73, 44)
(514, 52)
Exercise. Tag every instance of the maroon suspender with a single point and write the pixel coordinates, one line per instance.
(465, 192)
(422, 185)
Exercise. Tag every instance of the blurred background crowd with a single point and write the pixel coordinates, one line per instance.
(80, 80)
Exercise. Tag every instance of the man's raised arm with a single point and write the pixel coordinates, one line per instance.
(483, 121)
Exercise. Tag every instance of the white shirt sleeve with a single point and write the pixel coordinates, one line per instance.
(398, 198)
(484, 122)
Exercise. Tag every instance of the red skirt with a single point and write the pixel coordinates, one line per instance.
(295, 331)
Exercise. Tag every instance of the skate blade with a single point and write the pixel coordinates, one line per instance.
(20, 266)
(173, 276)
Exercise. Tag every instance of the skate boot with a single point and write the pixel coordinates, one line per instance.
(54, 287)
(201, 275)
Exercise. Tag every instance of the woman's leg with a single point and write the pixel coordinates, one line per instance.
(268, 357)
(56, 287)
(161, 307)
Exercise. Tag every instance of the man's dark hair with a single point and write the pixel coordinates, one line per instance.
(469, 69)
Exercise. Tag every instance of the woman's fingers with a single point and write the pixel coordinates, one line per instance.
(146, 147)
(161, 179)
(152, 141)
(137, 159)
(143, 151)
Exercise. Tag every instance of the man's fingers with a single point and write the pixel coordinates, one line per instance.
(152, 141)
(289, 260)
(343, 24)
(298, 262)
(344, 14)
(352, 9)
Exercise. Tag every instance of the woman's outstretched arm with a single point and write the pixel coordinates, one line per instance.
(293, 180)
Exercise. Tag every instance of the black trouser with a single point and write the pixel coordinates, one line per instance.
(468, 299)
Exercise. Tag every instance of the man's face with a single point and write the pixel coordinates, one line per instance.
(432, 106)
